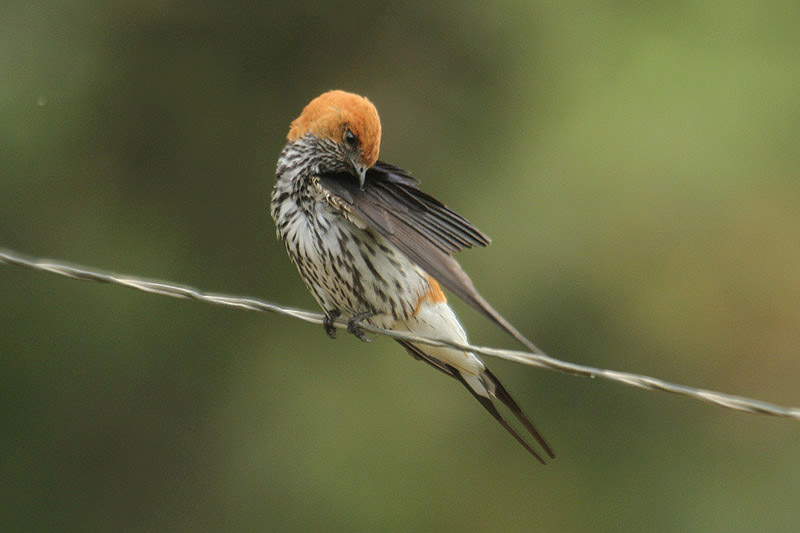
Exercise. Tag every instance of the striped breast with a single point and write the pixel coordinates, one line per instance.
(346, 268)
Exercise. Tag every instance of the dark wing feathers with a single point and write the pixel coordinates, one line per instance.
(420, 226)
(449, 230)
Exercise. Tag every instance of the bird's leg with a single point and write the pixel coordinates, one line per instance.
(354, 329)
(327, 323)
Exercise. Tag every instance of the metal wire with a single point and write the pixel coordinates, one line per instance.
(729, 401)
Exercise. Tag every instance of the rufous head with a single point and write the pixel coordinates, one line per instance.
(344, 118)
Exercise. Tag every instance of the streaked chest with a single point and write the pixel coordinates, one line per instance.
(348, 269)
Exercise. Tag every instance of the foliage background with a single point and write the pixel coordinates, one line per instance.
(636, 163)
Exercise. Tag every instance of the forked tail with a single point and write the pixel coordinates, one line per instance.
(485, 387)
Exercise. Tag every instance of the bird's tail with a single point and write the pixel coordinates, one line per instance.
(486, 388)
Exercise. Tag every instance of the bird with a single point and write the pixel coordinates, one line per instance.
(373, 248)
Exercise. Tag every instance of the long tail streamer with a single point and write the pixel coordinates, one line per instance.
(728, 401)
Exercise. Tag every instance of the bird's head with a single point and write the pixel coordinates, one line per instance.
(349, 127)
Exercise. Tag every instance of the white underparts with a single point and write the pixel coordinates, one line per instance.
(439, 320)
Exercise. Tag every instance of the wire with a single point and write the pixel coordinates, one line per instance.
(729, 401)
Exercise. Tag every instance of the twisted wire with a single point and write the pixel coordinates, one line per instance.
(729, 401)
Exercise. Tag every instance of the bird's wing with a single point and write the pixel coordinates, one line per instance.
(421, 227)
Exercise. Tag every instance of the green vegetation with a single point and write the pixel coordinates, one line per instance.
(637, 165)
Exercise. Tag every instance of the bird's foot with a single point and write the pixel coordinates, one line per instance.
(354, 329)
(327, 323)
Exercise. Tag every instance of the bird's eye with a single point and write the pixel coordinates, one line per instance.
(350, 138)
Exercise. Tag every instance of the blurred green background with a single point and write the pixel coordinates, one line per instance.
(637, 164)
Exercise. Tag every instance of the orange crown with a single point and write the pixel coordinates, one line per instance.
(331, 114)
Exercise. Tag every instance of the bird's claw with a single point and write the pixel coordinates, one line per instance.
(354, 329)
(327, 323)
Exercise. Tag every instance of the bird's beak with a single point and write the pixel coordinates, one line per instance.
(360, 171)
